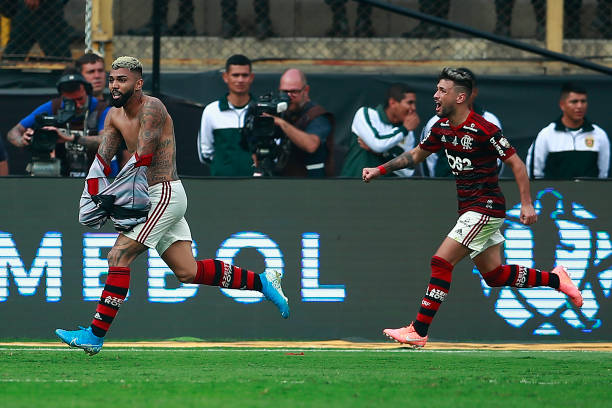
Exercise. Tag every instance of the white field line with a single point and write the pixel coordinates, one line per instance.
(281, 350)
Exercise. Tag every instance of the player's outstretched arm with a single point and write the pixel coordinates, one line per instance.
(110, 140)
(528, 215)
(407, 159)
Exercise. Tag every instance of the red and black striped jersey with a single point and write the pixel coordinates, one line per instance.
(472, 150)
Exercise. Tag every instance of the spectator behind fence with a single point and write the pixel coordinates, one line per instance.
(78, 118)
(340, 24)
(229, 19)
(436, 164)
(91, 67)
(383, 132)
(219, 140)
(184, 24)
(39, 21)
(309, 128)
(571, 18)
(440, 9)
(3, 159)
(572, 146)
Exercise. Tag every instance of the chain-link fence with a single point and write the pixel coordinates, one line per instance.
(201, 33)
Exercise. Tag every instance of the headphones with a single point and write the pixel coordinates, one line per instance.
(72, 78)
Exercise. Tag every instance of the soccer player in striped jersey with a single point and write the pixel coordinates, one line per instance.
(147, 128)
(472, 146)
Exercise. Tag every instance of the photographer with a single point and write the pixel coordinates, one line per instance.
(219, 139)
(62, 134)
(309, 128)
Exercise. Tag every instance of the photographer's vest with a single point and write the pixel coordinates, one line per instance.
(298, 158)
(92, 127)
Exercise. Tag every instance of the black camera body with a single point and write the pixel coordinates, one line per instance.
(43, 141)
(262, 137)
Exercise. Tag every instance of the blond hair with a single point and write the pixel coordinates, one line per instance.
(130, 63)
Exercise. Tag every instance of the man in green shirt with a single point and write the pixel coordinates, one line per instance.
(222, 122)
(381, 133)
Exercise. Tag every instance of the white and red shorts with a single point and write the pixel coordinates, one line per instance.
(166, 222)
(477, 231)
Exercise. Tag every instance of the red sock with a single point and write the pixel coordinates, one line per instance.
(520, 277)
(113, 295)
(439, 285)
(213, 272)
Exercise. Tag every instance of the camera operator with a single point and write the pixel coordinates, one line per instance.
(73, 120)
(308, 126)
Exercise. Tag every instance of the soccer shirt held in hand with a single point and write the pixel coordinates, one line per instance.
(472, 150)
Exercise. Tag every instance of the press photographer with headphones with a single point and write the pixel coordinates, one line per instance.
(72, 120)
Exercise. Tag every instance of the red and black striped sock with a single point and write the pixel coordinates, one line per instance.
(520, 277)
(213, 272)
(439, 285)
(113, 295)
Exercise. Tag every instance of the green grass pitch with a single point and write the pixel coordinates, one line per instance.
(215, 377)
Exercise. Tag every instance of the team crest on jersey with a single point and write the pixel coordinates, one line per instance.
(466, 142)
(471, 128)
(504, 142)
(589, 141)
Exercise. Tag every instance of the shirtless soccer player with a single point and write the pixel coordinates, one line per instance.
(472, 146)
(146, 127)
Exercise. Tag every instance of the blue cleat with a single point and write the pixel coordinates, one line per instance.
(82, 338)
(271, 288)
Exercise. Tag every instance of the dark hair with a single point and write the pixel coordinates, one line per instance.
(463, 78)
(568, 87)
(396, 92)
(237, 59)
(469, 72)
(71, 80)
(87, 58)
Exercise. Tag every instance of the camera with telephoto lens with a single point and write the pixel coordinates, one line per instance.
(262, 137)
(44, 141)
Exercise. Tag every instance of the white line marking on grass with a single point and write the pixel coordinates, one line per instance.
(34, 380)
(270, 350)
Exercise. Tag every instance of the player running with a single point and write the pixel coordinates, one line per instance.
(149, 177)
(472, 146)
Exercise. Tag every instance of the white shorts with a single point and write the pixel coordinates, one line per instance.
(477, 231)
(165, 223)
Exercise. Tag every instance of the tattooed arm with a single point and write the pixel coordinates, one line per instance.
(407, 159)
(152, 117)
(110, 139)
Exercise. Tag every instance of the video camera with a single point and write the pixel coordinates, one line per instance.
(44, 141)
(262, 138)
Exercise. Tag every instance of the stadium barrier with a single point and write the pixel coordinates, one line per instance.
(355, 259)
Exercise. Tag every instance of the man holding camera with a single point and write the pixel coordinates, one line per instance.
(308, 126)
(71, 120)
(219, 139)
